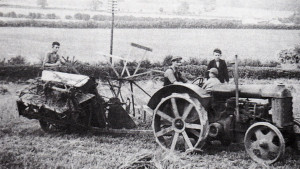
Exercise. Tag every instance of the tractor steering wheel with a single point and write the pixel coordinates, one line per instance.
(199, 81)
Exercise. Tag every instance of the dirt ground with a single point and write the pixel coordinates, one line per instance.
(24, 145)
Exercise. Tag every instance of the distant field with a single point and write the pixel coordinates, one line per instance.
(25, 145)
(87, 44)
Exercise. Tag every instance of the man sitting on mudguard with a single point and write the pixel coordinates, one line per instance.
(172, 74)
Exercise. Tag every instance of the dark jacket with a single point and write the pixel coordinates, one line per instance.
(222, 69)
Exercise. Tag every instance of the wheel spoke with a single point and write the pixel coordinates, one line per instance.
(273, 148)
(174, 106)
(187, 111)
(264, 153)
(164, 131)
(194, 132)
(270, 135)
(164, 116)
(254, 145)
(259, 135)
(187, 140)
(193, 126)
(174, 141)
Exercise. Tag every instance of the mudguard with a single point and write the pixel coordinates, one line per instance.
(193, 90)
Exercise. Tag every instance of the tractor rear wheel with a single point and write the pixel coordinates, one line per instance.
(180, 123)
(264, 143)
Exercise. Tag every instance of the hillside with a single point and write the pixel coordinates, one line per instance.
(225, 9)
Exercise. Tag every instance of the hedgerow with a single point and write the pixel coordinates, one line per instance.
(10, 14)
(25, 72)
(104, 21)
(17, 68)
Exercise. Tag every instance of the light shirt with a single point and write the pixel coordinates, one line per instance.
(218, 63)
(170, 74)
(51, 57)
(210, 83)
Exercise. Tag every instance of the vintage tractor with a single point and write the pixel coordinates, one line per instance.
(64, 101)
(187, 117)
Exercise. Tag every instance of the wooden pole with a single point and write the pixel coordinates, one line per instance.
(112, 30)
(132, 99)
(236, 81)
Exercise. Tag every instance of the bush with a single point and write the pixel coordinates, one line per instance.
(250, 62)
(68, 17)
(86, 17)
(167, 60)
(11, 15)
(32, 15)
(271, 64)
(101, 18)
(146, 64)
(51, 16)
(18, 60)
(21, 16)
(290, 56)
(80, 16)
(196, 61)
(156, 64)
(2, 63)
(35, 15)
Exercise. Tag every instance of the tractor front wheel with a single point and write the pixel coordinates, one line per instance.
(264, 143)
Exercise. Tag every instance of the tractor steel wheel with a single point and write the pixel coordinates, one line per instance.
(264, 143)
(180, 123)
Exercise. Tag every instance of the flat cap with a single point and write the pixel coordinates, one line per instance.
(214, 71)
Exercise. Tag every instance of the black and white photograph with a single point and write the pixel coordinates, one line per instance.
(149, 84)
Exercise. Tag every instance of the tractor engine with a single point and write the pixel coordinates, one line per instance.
(272, 105)
(221, 124)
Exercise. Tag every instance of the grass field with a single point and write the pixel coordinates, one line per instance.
(24, 145)
(88, 44)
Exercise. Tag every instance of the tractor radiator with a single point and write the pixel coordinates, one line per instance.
(282, 112)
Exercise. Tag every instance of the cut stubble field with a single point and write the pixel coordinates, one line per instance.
(25, 145)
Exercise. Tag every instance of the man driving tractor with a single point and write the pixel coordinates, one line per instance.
(172, 75)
